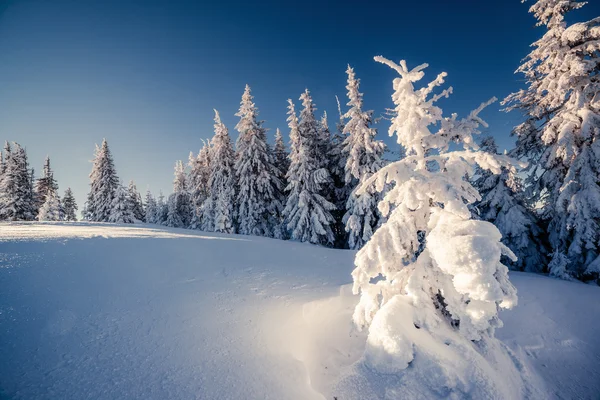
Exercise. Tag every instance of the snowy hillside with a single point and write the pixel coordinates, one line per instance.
(94, 311)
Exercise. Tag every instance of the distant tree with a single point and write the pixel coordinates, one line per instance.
(200, 167)
(161, 209)
(103, 185)
(259, 189)
(121, 212)
(307, 211)
(151, 209)
(51, 210)
(46, 184)
(222, 182)
(135, 202)
(179, 204)
(69, 206)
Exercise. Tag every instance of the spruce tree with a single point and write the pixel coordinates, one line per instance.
(69, 206)
(307, 211)
(199, 189)
(135, 202)
(16, 200)
(51, 210)
(179, 205)
(363, 158)
(103, 185)
(46, 184)
(222, 182)
(121, 212)
(151, 209)
(161, 209)
(259, 189)
(340, 191)
(559, 138)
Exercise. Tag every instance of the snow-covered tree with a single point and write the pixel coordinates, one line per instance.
(430, 279)
(46, 184)
(199, 189)
(162, 209)
(259, 189)
(179, 205)
(363, 158)
(103, 185)
(69, 206)
(502, 204)
(151, 209)
(307, 211)
(560, 134)
(51, 210)
(121, 212)
(16, 200)
(135, 202)
(281, 157)
(222, 182)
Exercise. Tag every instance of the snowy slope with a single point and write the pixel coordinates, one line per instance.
(94, 311)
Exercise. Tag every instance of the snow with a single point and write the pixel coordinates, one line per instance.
(100, 311)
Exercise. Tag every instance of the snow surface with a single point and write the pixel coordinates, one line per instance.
(99, 311)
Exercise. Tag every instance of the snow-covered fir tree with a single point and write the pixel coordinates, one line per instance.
(430, 267)
(151, 209)
(46, 184)
(259, 189)
(103, 185)
(222, 182)
(307, 211)
(179, 205)
(121, 212)
(199, 189)
(340, 190)
(51, 210)
(135, 202)
(162, 209)
(16, 194)
(281, 157)
(560, 134)
(363, 155)
(502, 204)
(69, 206)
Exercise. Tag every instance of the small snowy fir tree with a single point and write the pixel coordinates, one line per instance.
(259, 189)
(69, 206)
(46, 184)
(162, 209)
(430, 279)
(51, 209)
(222, 179)
(135, 202)
(560, 135)
(307, 211)
(199, 189)
(179, 204)
(121, 212)
(151, 209)
(502, 204)
(281, 157)
(103, 185)
(363, 158)
(16, 200)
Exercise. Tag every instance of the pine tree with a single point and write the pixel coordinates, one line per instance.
(69, 206)
(307, 211)
(363, 158)
(430, 262)
(51, 210)
(162, 209)
(200, 167)
(259, 189)
(135, 202)
(559, 136)
(179, 205)
(46, 184)
(121, 212)
(222, 182)
(340, 191)
(281, 157)
(151, 209)
(503, 205)
(16, 201)
(103, 185)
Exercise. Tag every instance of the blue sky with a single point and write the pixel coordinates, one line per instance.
(146, 74)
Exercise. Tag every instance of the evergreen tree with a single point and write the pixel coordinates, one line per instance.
(363, 158)
(135, 202)
(200, 193)
(103, 185)
(307, 211)
(340, 191)
(121, 212)
(162, 209)
(151, 209)
(259, 189)
(559, 136)
(69, 206)
(51, 210)
(179, 205)
(281, 157)
(46, 184)
(222, 182)
(16, 201)
(503, 205)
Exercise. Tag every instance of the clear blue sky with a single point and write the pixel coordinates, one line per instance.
(146, 74)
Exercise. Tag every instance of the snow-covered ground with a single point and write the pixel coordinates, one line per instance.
(95, 311)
